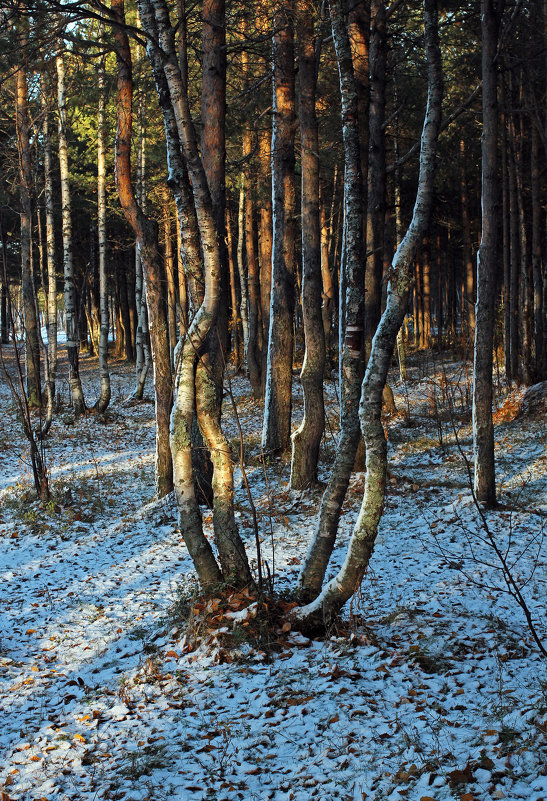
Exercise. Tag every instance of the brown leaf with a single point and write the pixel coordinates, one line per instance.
(460, 776)
(171, 655)
(286, 627)
(332, 720)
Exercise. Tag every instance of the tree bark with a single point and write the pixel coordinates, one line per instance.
(265, 243)
(483, 427)
(539, 312)
(469, 277)
(376, 203)
(352, 358)
(147, 242)
(276, 428)
(191, 377)
(50, 247)
(30, 316)
(346, 582)
(104, 399)
(71, 317)
(307, 438)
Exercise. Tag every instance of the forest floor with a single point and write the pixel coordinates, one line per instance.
(118, 682)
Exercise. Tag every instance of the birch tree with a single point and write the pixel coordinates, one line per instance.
(352, 278)
(337, 591)
(71, 315)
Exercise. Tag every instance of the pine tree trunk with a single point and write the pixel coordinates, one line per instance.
(307, 438)
(104, 399)
(376, 203)
(539, 312)
(276, 429)
(50, 248)
(71, 316)
(169, 263)
(469, 277)
(265, 244)
(147, 240)
(30, 317)
(483, 427)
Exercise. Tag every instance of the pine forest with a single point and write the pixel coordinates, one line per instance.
(273, 400)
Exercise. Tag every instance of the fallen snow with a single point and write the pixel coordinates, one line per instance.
(439, 692)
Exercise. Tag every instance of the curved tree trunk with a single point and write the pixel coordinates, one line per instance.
(345, 583)
(235, 569)
(352, 276)
(307, 438)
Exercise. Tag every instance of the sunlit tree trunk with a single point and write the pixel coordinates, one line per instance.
(147, 241)
(104, 399)
(346, 582)
(195, 380)
(265, 243)
(278, 401)
(142, 337)
(352, 358)
(327, 307)
(307, 438)
(483, 428)
(30, 316)
(234, 322)
(244, 299)
(169, 264)
(71, 318)
(50, 246)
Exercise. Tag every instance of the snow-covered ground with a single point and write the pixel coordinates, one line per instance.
(432, 689)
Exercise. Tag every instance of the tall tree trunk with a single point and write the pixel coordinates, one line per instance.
(352, 358)
(426, 295)
(506, 243)
(147, 241)
(265, 242)
(142, 337)
(346, 582)
(483, 427)
(469, 277)
(243, 294)
(327, 307)
(169, 264)
(50, 246)
(276, 428)
(195, 381)
(539, 312)
(30, 316)
(71, 317)
(307, 438)
(514, 253)
(234, 322)
(104, 399)
(376, 203)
